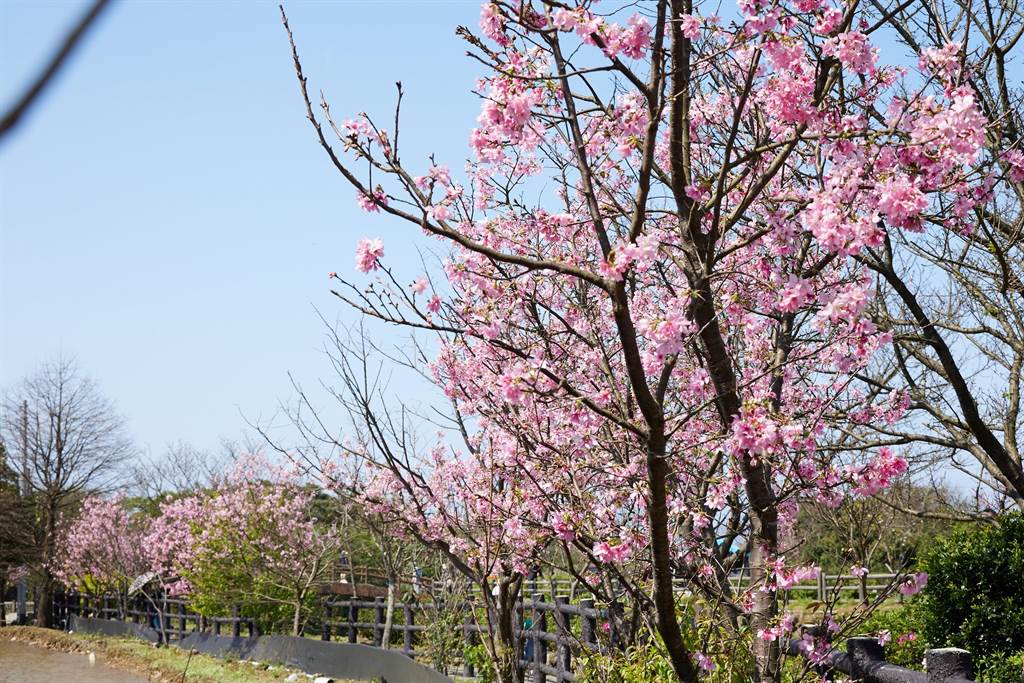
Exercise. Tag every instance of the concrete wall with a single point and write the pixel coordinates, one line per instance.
(341, 660)
(110, 627)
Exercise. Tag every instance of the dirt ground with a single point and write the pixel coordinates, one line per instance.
(156, 664)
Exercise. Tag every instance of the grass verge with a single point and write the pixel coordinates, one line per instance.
(157, 664)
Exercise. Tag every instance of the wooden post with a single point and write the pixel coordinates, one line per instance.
(216, 626)
(236, 623)
(407, 633)
(588, 622)
(325, 630)
(182, 622)
(353, 617)
(540, 646)
(615, 612)
(864, 651)
(563, 653)
(948, 664)
(822, 586)
(379, 615)
(470, 671)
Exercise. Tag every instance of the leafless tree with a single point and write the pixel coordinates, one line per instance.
(67, 440)
(181, 467)
(955, 300)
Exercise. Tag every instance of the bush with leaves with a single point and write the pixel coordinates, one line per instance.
(900, 628)
(443, 639)
(975, 593)
(1001, 668)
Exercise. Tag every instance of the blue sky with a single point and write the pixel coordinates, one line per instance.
(166, 216)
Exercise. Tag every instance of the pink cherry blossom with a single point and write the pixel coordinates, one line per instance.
(372, 203)
(368, 254)
(689, 25)
(796, 293)
(914, 583)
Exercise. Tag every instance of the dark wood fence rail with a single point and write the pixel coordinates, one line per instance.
(864, 660)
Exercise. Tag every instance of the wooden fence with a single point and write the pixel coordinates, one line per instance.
(554, 632)
(557, 632)
(177, 619)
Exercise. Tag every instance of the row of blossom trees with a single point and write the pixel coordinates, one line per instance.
(656, 316)
(250, 540)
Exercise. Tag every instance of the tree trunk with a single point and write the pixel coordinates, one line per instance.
(661, 556)
(389, 615)
(765, 546)
(44, 600)
(502, 615)
(297, 619)
(44, 597)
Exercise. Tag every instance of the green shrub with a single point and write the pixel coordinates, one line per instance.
(975, 593)
(639, 664)
(1001, 668)
(442, 638)
(477, 657)
(904, 626)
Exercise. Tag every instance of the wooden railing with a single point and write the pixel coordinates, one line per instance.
(170, 617)
(554, 631)
(822, 587)
(558, 627)
(864, 660)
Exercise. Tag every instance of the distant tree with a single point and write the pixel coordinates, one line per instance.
(102, 549)
(72, 443)
(251, 540)
(181, 468)
(16, 546)
(871, 534)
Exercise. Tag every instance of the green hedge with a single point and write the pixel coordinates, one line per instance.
(975, 593)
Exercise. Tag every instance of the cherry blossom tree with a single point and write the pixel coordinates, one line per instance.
(653, 317)
(101, 550)
(251, 540)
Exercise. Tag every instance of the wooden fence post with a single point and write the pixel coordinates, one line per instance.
(236, 622)
(540, 646)
(182, 622)
(353, 617)
(325, 629)
(563, 653)
(470, 671)
(407, 633)
(948, 664)
(822, 586)
(379, 615)
(864, 651)
(588, 622)
(615, 613)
